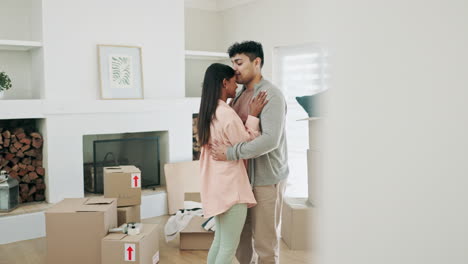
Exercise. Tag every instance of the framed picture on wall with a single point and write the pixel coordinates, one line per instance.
(120, 72)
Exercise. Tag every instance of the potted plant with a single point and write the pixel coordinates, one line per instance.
(5, 83)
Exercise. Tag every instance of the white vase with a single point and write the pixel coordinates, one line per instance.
(2, 93)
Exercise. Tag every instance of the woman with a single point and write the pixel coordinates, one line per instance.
(226, 192)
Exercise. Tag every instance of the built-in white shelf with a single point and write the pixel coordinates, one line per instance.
(19, 45)
(21, 109)
(205, 55)
(40, 108)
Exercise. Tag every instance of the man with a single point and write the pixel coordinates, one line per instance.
(268, 167)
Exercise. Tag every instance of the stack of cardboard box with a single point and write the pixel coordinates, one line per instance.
(77, 229)
(124, 183)
(183, 184)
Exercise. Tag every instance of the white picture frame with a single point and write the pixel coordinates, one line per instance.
(120, 72)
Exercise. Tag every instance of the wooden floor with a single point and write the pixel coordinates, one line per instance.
(33, 251)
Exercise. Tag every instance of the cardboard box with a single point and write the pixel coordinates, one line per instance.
(181, 177)
(123, 183)
(183, 184)
(192, 196)
(194, 236)
(296, 227)
(75, 228)
(128, 214)
(143, 248)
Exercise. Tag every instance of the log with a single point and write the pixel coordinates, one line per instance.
(37, 163)
(39, 197)
(9, 156)
(25, 147)
(24, 188)
(4, 162)
(14, 175)
(13, 149)
(20, 136)
(33, 175)
(26, 179)
(32, 190)
(40, 171)
(22, 172)
(26, 141)
(15, 168)
(40, 186)
(31, 153)
(36, 140)
(18, 130)
(20, 154)
(6, 142)
(30, 168)
(6, 134)
(18, 145)
(26, 161)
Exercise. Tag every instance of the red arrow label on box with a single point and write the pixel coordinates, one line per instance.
(129, 252)
(136, 180)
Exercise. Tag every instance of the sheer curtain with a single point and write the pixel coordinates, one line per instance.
(298, 71)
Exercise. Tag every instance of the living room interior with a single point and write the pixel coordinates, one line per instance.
(392, 154)
(68, 108)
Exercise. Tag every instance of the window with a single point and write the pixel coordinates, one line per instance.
(298, 71)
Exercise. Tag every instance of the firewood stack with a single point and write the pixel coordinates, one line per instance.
(21, 157)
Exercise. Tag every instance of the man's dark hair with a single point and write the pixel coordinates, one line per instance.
(251, 49)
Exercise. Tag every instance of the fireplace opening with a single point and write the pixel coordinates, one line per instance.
(139, 149)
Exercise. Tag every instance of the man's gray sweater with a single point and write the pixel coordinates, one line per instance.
(269, 152)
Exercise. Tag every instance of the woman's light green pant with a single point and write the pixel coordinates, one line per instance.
(227, 235)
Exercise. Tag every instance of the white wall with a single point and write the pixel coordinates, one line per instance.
(72, 29)
(15, 18)
(273, 23)
(203, 30)
(395, 182)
